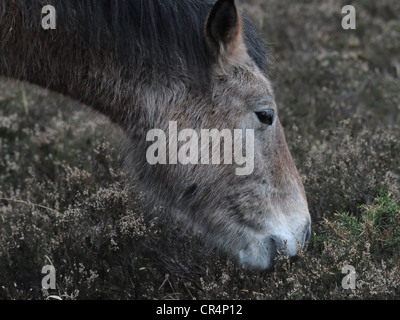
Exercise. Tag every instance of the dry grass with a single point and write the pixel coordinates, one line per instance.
(65, 198)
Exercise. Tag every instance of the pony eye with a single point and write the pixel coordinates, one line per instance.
(266, 116)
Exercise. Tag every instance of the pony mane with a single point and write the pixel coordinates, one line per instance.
(162, 35)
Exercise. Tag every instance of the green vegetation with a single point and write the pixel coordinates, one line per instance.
(378, 225)
(66, 201)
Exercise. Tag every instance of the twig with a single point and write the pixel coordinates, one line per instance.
(31, 204)
(393, 228)
(337, 233)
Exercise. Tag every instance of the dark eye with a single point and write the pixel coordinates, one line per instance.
(266, 116)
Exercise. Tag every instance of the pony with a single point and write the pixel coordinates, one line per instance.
(199, 63)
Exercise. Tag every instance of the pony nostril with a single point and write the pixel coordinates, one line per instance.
(274, 249)
(307, 234)
(272, 241)
(276, 244)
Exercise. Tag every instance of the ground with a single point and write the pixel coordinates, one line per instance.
(66, 201)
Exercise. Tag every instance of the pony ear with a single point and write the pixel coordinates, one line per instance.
(223, 28)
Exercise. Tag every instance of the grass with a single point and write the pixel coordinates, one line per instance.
(64, 197)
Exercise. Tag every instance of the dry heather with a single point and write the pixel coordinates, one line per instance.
(65, 200)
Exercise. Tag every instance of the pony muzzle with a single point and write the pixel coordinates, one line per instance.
(261, 253)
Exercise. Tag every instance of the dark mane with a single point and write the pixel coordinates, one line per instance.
(159, 34)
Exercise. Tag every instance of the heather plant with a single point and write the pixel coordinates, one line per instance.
(347, 166)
